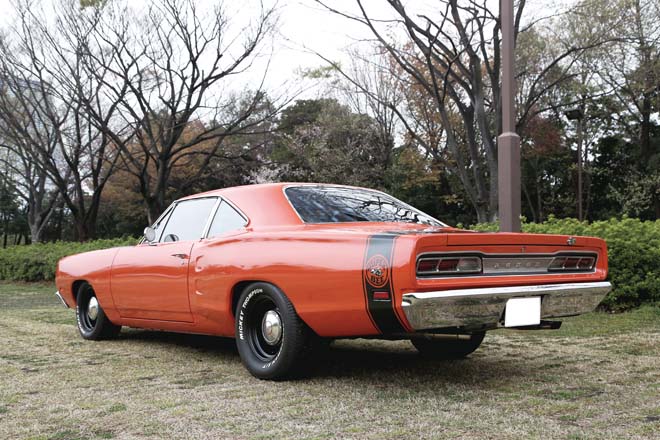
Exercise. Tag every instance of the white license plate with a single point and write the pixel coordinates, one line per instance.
(522, 311)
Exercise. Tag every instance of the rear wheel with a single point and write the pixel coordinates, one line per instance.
(93, 324)
(272, 340)
(448, 346)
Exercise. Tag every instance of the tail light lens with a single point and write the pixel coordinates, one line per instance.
(572, 264)
(438, 265)
(448, 265)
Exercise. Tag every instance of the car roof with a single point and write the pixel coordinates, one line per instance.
(264, 204)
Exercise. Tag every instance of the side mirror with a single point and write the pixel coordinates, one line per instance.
(150, 234)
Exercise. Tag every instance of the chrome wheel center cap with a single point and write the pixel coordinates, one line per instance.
(93, 308)
(271, 327)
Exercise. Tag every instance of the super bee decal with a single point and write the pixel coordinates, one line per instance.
(377, 281)
(377, 271)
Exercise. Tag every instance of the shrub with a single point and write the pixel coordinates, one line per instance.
(633, 249)
(633, 252)
(37, 262)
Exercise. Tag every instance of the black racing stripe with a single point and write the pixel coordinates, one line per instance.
(377, 281)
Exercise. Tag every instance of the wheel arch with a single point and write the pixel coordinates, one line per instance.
(236, 291)
(238, 288)
(74, 289)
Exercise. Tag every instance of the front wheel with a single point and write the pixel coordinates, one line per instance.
(448, 346)
(272, 341)
(93, 324)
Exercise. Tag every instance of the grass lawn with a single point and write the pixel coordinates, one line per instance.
(596, 378)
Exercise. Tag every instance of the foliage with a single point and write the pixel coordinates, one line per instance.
(423, 183)
(37, 262)
(323, 141)
(633, 248)
(633, 254)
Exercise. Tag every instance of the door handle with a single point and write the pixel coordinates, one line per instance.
(182, 256)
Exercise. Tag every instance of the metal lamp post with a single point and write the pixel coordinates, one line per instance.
(508, 142)
(577, 115)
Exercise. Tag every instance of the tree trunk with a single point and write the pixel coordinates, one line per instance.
(35, 233)
(82, 233)
(483, 214)
(645, 129)
(155, 207)
(528, 198)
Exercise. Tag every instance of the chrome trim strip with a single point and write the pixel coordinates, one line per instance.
(59, 296)
(483, 308)
(517, 264)
(209, 221)
(530, 254)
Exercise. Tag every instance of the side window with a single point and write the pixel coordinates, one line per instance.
(188, 219)
(226, 219)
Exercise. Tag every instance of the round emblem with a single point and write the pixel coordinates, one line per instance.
(376, 271)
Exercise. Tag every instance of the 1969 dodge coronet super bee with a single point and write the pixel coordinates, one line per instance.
(285, 267)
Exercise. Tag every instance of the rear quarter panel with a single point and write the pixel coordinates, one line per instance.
(321, 273)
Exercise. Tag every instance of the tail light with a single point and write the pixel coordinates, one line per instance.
(448, 265)
(572, 263)
(438, 265)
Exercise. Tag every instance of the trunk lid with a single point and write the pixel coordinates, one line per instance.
(503, 239)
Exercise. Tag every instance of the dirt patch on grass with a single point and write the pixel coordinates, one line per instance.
(588, 380)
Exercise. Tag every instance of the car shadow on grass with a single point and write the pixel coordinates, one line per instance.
(371, 360)
(202, 343)
(408, 368)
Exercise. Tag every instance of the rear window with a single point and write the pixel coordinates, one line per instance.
(332, 204)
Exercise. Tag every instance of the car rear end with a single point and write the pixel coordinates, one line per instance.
(481, 281)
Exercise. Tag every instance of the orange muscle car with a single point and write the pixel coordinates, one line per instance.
(285, 267)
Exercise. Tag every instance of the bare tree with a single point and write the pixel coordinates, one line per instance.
(170, 67)
(22, 170)
(374, 91)
(46, 116)
(454, 57)
(29, 181)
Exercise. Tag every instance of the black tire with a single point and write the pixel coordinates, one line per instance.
(282, 358)
(96, 328)
(448, 346)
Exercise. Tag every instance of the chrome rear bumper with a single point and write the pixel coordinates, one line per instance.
(483, 308)
(59, 296)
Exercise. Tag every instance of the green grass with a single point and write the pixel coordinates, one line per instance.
(596, 378)
(646, 317)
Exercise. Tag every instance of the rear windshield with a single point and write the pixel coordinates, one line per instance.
(332, 204)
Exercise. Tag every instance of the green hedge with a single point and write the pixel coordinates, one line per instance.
(633, 247)
(37, 262)
(634, 254)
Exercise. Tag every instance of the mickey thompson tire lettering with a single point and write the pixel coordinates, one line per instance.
(263, 309)
(241, 315)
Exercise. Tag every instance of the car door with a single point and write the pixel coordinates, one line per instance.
(213, 266)
(150, 280)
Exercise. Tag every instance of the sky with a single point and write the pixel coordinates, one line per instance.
(304, 27)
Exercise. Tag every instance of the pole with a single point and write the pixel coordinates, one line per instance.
(508, 142)
(580, 136)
